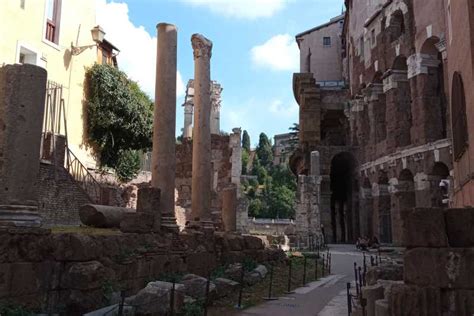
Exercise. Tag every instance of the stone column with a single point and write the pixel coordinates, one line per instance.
(315, 171)
(188, 120)
(22, 95)
(202, 168)
(164, 124)
(229, 209)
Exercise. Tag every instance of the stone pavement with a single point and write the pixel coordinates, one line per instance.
(325, 297)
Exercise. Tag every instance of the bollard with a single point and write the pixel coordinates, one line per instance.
(356, 278)
(349, 301)
(363, 276)
(239, 304)
(323, 267)
(206, 302)
(122, 301)
(289, 278)
(360, 281)
(371, 260)
(270, 297)
(380, 257)
(330, 263)
(365, 264)
(363, 304)
(319, 247)
(304, 271)
(316, 269)
(173, 289)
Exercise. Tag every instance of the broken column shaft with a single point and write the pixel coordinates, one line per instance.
(22, 95)
(202, 168)
(164, 124)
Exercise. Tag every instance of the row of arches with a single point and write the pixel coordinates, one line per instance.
(372, 206)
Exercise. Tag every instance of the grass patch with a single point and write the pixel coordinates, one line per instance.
(255, 294)
(85, 230)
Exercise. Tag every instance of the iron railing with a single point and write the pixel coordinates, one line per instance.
(83, 177)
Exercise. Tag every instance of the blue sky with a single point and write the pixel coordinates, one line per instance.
(254, 51)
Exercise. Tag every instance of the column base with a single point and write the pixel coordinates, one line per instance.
(19, 216)
(168, 224)
(201, 225)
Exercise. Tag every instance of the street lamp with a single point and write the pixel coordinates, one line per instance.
(97, 36)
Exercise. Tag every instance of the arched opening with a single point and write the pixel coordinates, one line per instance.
(342, 183)
(433, 96)
(398, 113)
(385, 219)
(458, 117)
(403, 199)
(397, 25)
(366, 209)
(379, 109)
(439, 184)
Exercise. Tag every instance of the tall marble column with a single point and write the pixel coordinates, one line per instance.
(188, 120)
(22, 95)
(202, 168)
(164, 124)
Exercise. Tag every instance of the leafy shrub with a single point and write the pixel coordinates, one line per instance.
(119, 117)
(128, 165)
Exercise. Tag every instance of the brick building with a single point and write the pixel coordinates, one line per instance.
(385, 140)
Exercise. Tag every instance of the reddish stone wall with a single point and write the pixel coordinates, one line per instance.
(461, 59)
(72, 273)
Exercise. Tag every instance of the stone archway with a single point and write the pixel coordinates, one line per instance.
(342, 181)
(382, 205)
(439, 184)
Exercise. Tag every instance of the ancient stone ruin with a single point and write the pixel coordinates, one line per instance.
(77, 272)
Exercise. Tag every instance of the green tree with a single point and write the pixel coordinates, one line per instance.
(264, 150)
(255, 208)
(281, 202)
(245, 160)
(246, 141)
(119, 117)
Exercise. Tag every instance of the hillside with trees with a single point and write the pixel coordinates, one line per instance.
(270, 189)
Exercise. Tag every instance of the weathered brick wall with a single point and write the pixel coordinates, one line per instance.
(60, 197)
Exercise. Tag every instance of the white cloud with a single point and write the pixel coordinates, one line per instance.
(137, 47)
(278, 108)
(245, 9)
(278, 53)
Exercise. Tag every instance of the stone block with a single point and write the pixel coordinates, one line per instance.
(459, 226)
(392, 272)
(85, 276)
(5, 279)
(371, 294)
(225, 287)
(141, 223)
(252, 242)
(381, 308)
(195, 286)
(458, 302)
(406, 300)
(442, 267)
(424, 227)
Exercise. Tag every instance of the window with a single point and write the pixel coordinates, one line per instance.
(27, 56)
(458, 117)
(361, 46)
(326, 41)
(53, 15)
(372, 37)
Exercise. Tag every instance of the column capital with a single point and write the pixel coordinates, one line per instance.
(202, 47)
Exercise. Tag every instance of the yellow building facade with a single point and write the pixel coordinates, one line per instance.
(42, 32)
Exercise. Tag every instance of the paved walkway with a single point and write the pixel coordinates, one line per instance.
(325, 297)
